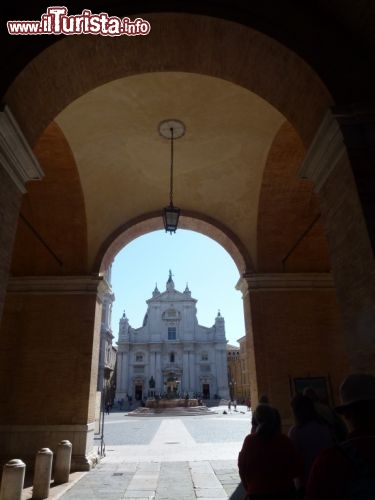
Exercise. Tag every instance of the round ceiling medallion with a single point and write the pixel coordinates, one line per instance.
(166, 127)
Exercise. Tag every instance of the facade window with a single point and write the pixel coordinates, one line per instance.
(139, 357)
(171, 357)
(204, 356)
(172, 333)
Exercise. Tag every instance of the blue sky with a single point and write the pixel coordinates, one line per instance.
(194, 259)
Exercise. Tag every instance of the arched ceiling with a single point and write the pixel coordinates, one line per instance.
(123, 162)
(99, 102)
(336, 37)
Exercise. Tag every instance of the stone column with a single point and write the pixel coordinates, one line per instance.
(253, 363)
(158, 375)
(125, 370)
(119, 383)
(122, 379)
(296, 333)
(56, 320)
(151, 369)
(345, 186)
(218, 361)
(222, 375)
(185, 371)
(18, 165)
(193, 376)
(152, 363)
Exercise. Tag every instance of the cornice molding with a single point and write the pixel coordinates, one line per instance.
(58, 285)
(284, 281)
(16, 156)
(325, 151)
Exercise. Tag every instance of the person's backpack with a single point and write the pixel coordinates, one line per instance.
(362, 484)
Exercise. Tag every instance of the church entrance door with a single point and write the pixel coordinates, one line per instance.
(206, 391)
(138, 391)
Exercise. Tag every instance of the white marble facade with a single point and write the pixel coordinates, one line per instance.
(171, 353)
(107, 351)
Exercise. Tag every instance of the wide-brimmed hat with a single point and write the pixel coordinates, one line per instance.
(357, 387)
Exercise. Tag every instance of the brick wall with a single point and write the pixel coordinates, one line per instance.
(48, 359)
(296, 333)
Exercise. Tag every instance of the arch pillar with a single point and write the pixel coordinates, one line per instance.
(293, 330)
(51, 326)
(340, 164)
(18, 165)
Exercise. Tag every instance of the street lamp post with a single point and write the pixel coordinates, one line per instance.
(105, 400)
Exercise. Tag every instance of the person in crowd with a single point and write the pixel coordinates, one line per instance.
(327, 415)
(263, 400)
(309, 436)
(347, 470)
(268, 461)
(229, 406)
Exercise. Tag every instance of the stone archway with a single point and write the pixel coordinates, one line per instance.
(125, 234)
(57, 79)
(263, 66)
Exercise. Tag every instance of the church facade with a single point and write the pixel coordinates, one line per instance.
(171, 354)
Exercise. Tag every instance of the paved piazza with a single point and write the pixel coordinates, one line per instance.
(155, 458)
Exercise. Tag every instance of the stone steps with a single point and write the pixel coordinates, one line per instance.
(171, 412)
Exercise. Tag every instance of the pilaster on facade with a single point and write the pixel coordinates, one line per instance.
(107, 352)
(16, 156)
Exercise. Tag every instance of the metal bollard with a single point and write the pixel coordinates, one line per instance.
(42, 474)
(12, 480)
(63, 461)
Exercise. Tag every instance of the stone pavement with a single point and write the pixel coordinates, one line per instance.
(173, 465)
(217, 479)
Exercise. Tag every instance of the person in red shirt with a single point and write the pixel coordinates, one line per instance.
(268, 461)
(336, 470)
